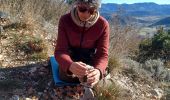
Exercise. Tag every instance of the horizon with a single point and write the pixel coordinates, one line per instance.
(135, 1)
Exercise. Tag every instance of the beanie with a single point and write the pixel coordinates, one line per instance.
(96, 3)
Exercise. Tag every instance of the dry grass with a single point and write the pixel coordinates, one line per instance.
(33, 47)
(123, 38)
(32, 10)
(36, 18)
(35, 14)
(111, 92)
(114, 63)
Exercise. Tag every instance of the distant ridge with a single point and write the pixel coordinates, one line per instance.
(164, 21)
(136, 9)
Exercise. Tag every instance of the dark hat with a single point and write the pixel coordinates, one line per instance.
(96, 3)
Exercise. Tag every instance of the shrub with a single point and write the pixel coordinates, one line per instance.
(157, 70)
(123, 38)
(110, 92)
(113, 63)
(156, 47)
(33, 47)
(49, 10)
(34, 15)
(38, 56)
(135, 71)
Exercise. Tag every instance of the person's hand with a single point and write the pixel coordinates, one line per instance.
(93, 77)
(78, 68)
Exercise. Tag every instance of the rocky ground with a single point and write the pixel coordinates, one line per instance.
(34, 82)
(25, 78)
(28, 79)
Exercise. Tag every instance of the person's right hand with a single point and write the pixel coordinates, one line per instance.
(78, 68)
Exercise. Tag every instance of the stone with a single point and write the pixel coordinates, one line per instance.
(15, 97)
(157, 92)
(88, 95)
(1, 57)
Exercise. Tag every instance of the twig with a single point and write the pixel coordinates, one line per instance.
(1, 30)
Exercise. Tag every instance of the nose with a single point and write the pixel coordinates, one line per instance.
(86, 14)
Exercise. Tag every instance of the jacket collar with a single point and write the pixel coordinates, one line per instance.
(87, 24)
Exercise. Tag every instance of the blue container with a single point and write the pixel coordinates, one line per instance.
(55, 72)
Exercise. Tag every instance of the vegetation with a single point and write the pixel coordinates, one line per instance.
(156, 47)
(123, 38)
(27, 26)
(113, 64)
(111, 92)
(30, 31)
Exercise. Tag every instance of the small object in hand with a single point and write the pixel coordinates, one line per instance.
(89, 67)
(85, 78)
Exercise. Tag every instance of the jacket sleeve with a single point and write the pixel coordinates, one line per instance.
(101, 56)
(61, 50)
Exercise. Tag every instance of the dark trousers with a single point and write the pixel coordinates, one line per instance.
(77, 54)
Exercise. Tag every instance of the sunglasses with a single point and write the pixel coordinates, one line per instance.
(90, 10)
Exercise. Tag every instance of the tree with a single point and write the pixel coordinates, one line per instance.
(156, 47)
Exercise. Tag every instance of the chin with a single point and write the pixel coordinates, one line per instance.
(85, 19)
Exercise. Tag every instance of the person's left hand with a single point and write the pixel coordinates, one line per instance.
(93, 77)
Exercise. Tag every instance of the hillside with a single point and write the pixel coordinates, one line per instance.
(29, 77)
(164, 21)
(136, 9)
(28, 33)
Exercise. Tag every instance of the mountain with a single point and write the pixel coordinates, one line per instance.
(136, 9)
(127, 20)
(164, 21)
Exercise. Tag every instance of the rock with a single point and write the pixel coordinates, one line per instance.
(1, 30)
(14, 97)
(88, 95)
(33, 70)
(163, 75)
(28, 99)
(3, 15)
(4, 18)
(168, 76)
(148, 94)
(1, 57)
(40, 93)
(157, 92)
(154, 98)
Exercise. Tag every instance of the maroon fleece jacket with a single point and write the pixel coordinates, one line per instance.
(97, 36)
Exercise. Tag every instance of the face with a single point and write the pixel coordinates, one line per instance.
(85, 11)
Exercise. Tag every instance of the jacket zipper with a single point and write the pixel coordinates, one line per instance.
(82, 35)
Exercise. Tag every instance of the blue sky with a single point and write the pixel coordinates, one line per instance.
(136, 1)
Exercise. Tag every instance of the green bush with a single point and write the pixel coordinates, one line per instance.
(156, 47)
(27, 43)
(38, 56)
(32, 46)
